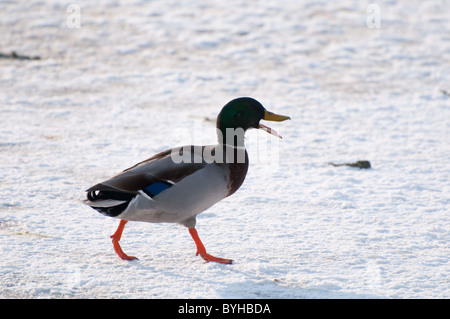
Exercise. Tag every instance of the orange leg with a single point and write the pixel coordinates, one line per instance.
(202, 251)
(115, 240)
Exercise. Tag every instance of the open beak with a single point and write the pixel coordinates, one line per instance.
(269, 116)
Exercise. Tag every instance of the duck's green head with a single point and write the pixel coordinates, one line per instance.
(241, 114)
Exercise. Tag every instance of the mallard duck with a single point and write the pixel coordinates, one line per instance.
(176, 185)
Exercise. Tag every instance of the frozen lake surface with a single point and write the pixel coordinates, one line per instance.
(132, 78)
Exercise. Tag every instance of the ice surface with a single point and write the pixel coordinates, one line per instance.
(140, 76)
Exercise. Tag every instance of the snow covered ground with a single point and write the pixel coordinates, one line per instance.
(361, 80)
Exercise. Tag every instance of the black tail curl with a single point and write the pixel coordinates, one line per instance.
(96, 197)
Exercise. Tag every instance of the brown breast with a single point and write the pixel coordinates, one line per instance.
(238, 167)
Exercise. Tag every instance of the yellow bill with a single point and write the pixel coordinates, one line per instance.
(269, 116)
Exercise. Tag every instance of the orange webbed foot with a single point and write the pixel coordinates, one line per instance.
(115, 240)
(202, 251)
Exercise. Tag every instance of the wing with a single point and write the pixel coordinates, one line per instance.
(152, 176)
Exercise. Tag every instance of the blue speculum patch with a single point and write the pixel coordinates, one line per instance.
(156, 188)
